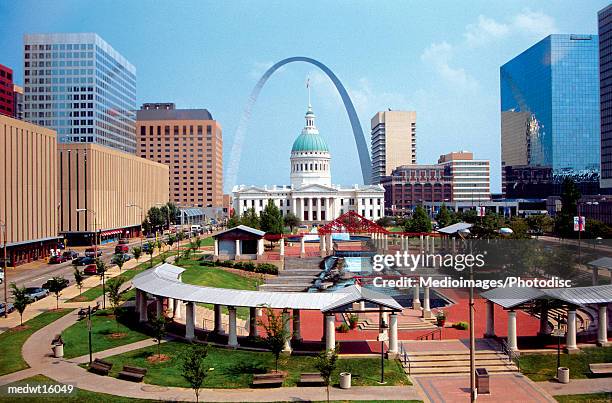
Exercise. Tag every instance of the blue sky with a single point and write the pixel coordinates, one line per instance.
(442, 61)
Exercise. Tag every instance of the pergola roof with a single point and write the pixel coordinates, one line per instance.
(241, 228)
(164, 281)
(454, 228)
(192, 211)
(352, 223)
(602, 263)
(512, 297)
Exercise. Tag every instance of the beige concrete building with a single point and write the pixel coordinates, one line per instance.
(470, 178)
(190, 142)
(28, 179)
(393, 142)
(104, 181)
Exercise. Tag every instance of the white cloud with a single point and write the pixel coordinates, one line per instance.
(534, 23)
(485, 31)
(439, 55)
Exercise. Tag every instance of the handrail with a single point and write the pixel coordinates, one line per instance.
(513, 356)
(405, 359)
(432, 334)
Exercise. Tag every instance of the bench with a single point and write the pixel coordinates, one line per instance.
(100, 367)
(269, 379)
(604, 369)
(311, 379)
(134, 374)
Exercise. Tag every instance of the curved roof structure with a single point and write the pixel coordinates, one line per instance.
(512, 297)
(164, 281)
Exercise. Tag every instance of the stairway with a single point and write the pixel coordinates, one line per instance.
(297, 276)
(372, 324)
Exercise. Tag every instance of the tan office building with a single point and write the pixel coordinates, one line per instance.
(105, 181)
(470, 178)
(393, 142)
(28, 179)
(190, 142)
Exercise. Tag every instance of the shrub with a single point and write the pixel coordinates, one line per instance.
(353, 320)
(208, 263)
(248, 266)
(266, 268)
(460, 325)
(227, 263)
(343, 328)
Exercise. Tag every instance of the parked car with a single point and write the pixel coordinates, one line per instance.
(92, 252)
(145, 248)
(1, 276)
(45, 286)
(90, 269)
(36, 293)
(70, 254)
(11, 308)
(124, 241)
(122, 249)
(126, 257)
(57, 259)
(83, 261)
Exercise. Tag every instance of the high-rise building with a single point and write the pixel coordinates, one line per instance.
(7, 106)
(470, 177)
(81, 87)
(190, 142)
(550, 117)
(605, 87)
(393, 142)
(18, 102)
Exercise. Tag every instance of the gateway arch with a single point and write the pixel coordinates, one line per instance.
(362, 148)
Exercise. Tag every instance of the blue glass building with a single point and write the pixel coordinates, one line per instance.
(604, 18)
(78, 85)
(550, 117)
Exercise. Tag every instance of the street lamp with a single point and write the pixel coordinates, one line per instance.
(141, 210)
(581, 224)
(4, 280)
(383, 337)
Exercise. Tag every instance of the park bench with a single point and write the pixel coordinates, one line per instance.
(311, 379)
(134, 374)
(269, 379)
(100, 367)
(603, 369)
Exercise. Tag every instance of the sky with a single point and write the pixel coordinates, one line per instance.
(440, 59)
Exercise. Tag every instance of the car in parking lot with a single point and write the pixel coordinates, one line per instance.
(92, 252)
(83, 261)
(70, 254)
(124, 241)
(116, 257)
(57, 259)
(90, 269)
(46, 285)
(11, 308)
(121, 249)
(36, 293)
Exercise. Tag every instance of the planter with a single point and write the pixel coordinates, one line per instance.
(563, 375)
(441, 322)
(345, 380)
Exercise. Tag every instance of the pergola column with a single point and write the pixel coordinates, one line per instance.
(427, 244)
(177, 308)
(433, 248)
(190, 321)
(322, 245)
(216, 247)
(302, 247)
(512, 342)
(330, 244)
(416, 302)
(171, 307)
(218, 319)
(233, 331)
(144, 316)
(393, 347)
(602, 331)
(159, 306)
(330, 331)
(570, 337)
(237, 249)
(421, 240)
(260, 247)
(595, 272)
(490, 313)
(297, 334)
(137, 301)
(252, 322)
(287, 327)
(426, 307)
(544, 319)
(282, 246)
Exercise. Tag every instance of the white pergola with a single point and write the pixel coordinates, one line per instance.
(164, 282)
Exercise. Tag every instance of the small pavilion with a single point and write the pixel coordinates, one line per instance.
(238, 243)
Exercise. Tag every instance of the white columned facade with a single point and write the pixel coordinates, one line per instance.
(490, 313)
(602, 319)
(218, 319)
(426, 305)
(233, 331)
(393, 345)
(297, 334)
(330, 331)
(190, 321)
(416, 302)
(287, 327)
(512, 342)
(570, 337)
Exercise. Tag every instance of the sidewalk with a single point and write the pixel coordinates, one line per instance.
(578, 386)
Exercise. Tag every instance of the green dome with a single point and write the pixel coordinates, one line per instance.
(309, 142)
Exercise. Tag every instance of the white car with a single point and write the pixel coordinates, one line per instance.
(1, 276)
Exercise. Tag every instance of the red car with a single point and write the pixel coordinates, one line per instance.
(90, 269)
(57, 259)
(122, 249)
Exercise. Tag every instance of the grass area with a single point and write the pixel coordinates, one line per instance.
(234, 368)
(107, 332)
(542, 367)
(12, 340)
(80, 395)
(590, 398)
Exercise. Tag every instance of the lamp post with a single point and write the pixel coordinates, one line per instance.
(581, 224)
(141, 210)
(383, 337)
(4, 266)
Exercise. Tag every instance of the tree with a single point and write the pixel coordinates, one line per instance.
(78, 279)
(271, 219)
(194, 368)
(119, 260)
(326, 363)
(137, 252)
(171, 240)
(158, 326)
(564, 223)
(165, 213)
(444, 217)
(114, 294)
(154, 221)
(250, 218)
(385, 221)
(56, 284)
(151, 250)
(519, 228)
(233, 221)
(291, 220)
(173, 212)
(197, 242)
(540, 223)
(276, 333)
(101, 269)
(20, 300)
(419, 222)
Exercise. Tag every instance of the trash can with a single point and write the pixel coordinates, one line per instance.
(563, 375)
(482, 381)
(58, 350)
(345, 380)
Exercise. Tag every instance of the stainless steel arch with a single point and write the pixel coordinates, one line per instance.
(362, 148)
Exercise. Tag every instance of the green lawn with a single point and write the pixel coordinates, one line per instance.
(106, 333)
(542, 367)
(234, 368)
(12, 340)
(215, 277)
(590, 398)
(80, 396)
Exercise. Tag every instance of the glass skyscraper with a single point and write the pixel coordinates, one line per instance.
(550, 117)
(605, 74)
(80, 86)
